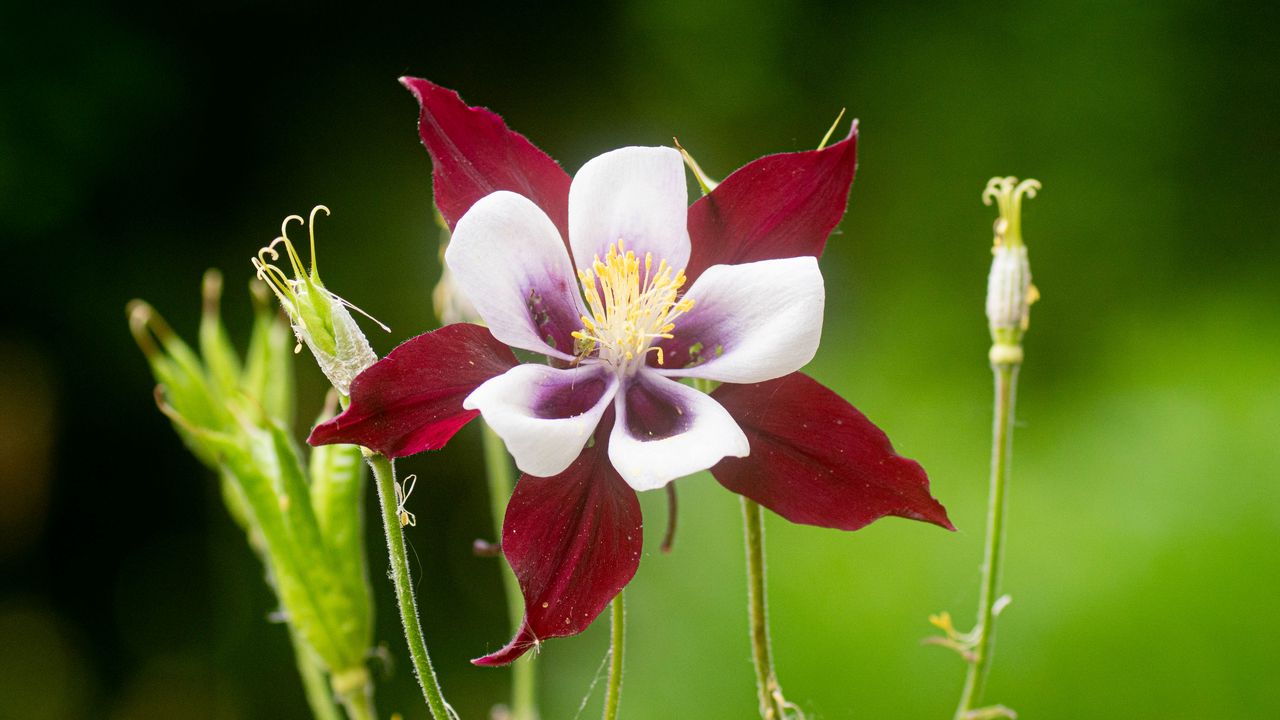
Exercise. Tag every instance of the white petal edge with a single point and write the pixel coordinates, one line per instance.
(767, 315)
(636, 194)
(541, 446)
(651, 464)
(498, 247)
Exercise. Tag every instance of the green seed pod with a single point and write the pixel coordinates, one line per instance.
(215, 345)
(338, 481)
(344, 611)
(268, 375)
(183, 391)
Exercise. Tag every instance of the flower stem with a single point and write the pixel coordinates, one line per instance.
(1006, 383)
(385, 476)
(498, 470)
(772, 704)
(617, 642)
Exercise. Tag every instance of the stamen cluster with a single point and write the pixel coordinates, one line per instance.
(630, 309)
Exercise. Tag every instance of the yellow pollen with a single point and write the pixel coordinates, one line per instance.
(629, 307)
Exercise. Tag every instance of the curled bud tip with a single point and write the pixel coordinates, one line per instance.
(140, 314)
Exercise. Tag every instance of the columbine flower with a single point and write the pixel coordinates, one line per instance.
(636, 329)
(319, 318)
(725, 290)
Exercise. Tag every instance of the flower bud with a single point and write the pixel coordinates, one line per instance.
(1009, 289)
(451, 305)
(320, 319)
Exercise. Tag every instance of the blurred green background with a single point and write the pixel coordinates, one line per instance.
(138, 148)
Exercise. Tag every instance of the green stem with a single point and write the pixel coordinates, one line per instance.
(769, 692)
(617, 642)
(385, 475)
(1006, 383)
(498, 469)
(319, 697)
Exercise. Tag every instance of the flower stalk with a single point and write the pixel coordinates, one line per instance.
(617, 646)
(1006, 379)
(1009, 298)
(385, 478)
(773, 705)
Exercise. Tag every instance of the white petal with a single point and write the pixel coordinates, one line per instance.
(507, 258)
(544, 414)
(636, 194)
(751, 322)
(666, 430)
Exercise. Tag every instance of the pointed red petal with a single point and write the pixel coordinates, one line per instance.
(816, 460)
(574, 542)
(411, 400)
(474, 153)
(778, 206)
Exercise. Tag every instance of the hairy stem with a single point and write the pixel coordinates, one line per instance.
(385, 476)
(617, 642)
(1006, 382)
(769, 692)
(498, 470)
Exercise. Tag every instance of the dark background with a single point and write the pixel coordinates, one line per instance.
(139, 148)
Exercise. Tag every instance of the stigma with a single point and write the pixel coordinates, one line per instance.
(289, 289)
(632, 303)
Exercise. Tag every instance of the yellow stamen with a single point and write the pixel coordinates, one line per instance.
(629, 309)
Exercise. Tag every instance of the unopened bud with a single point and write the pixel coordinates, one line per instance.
(1010, 293)
(451, 305)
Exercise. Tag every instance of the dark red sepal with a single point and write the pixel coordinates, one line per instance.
(474, 153)
(411, 400)
(574, 542)
(779, 206)
(816, 460)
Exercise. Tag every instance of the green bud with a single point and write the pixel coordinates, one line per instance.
(450, 304)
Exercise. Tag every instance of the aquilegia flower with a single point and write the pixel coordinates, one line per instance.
(631, 329)
(727, 289)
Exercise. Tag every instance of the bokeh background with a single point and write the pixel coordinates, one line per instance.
(139, 148)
